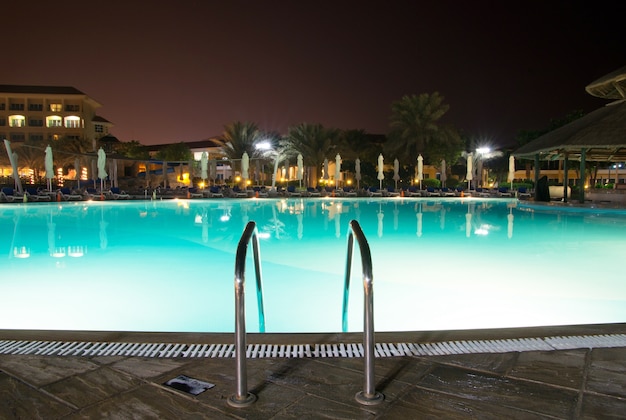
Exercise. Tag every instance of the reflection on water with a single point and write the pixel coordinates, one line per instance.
(438, 263)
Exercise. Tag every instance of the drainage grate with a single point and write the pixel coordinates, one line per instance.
(170, 350)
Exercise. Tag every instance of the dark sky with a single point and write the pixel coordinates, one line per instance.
(169, 71)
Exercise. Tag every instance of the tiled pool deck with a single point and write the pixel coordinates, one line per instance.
(559, 383)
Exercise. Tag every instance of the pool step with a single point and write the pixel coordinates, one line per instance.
(172, 350)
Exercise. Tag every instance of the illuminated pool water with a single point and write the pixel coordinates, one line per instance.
(438, 264)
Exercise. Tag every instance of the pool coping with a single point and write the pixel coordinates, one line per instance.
(388, 344)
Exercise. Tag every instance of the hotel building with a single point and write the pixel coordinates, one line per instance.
(48, 113)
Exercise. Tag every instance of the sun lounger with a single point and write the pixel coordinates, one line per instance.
(504, 192)
(447, 192)
(32, 194)
(9, 195)
(391, 192)
(291, 192)
(237, 192)
(523, 193)
(349, 192)
(413, 192)
(116, 194)
(432, 192)
(260, 192)
(213, 192)
(67, 194)
(374, 192)
(193, 192)
(313, 192)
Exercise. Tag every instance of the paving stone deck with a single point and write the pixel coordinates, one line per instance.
(576, 383)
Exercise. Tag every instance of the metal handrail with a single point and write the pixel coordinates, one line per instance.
(369, 395)
(242, 397)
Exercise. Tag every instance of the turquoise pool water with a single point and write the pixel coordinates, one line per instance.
(451, 263)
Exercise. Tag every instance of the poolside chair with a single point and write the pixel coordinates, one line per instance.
(116, 194)
(349, 192)
(193, 192)
(523, 193)
(67, 194)
(33, 194)
(460, 192)
(482, 192)
(374, 192)
(412, 191)
(291, 191)
(447, 192)
(504, 192)
(260, 192)
(213, 192)
(391, 192)
(237, 192)
(313, 192)
(432, 192)
(9, 195)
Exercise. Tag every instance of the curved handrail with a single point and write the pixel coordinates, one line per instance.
(242, 397)
(369, 395)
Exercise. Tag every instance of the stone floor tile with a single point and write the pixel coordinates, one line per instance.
(311, 407)
(331, 382)
(90, 387)
(42, 370)
(148, 367)
(602, 407)
(606, 372)
(407, 369)
(150, 402)
(418, 403)
(20, 401)
(564, 368)
(271, 398)
(489, 362)
(506, 392)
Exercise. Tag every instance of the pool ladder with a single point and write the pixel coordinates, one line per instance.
(243, 398)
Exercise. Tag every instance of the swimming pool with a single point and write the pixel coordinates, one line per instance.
(450, 263)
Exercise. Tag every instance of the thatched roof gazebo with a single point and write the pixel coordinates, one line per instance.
(599, 136)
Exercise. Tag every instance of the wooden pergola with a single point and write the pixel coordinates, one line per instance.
(599, 136)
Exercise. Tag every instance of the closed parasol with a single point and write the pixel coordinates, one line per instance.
(337, 170)
(49, 167)
(511, 176)
(102, 164)
(300, 173)
(245, 165)
(204, 166)
(470, 170)
(381, 174)
(443, 177)
(420, 169)
(396, 171)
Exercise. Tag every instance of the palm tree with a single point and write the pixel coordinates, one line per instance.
(416, 128)
(67, 149)
(240, 137)
(315, 143)
(31, 154)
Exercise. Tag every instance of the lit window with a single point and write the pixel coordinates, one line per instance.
(56, 107)
(17, 121)
(72, 122)
(54, 121)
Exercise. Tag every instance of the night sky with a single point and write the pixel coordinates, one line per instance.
(179, 71)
